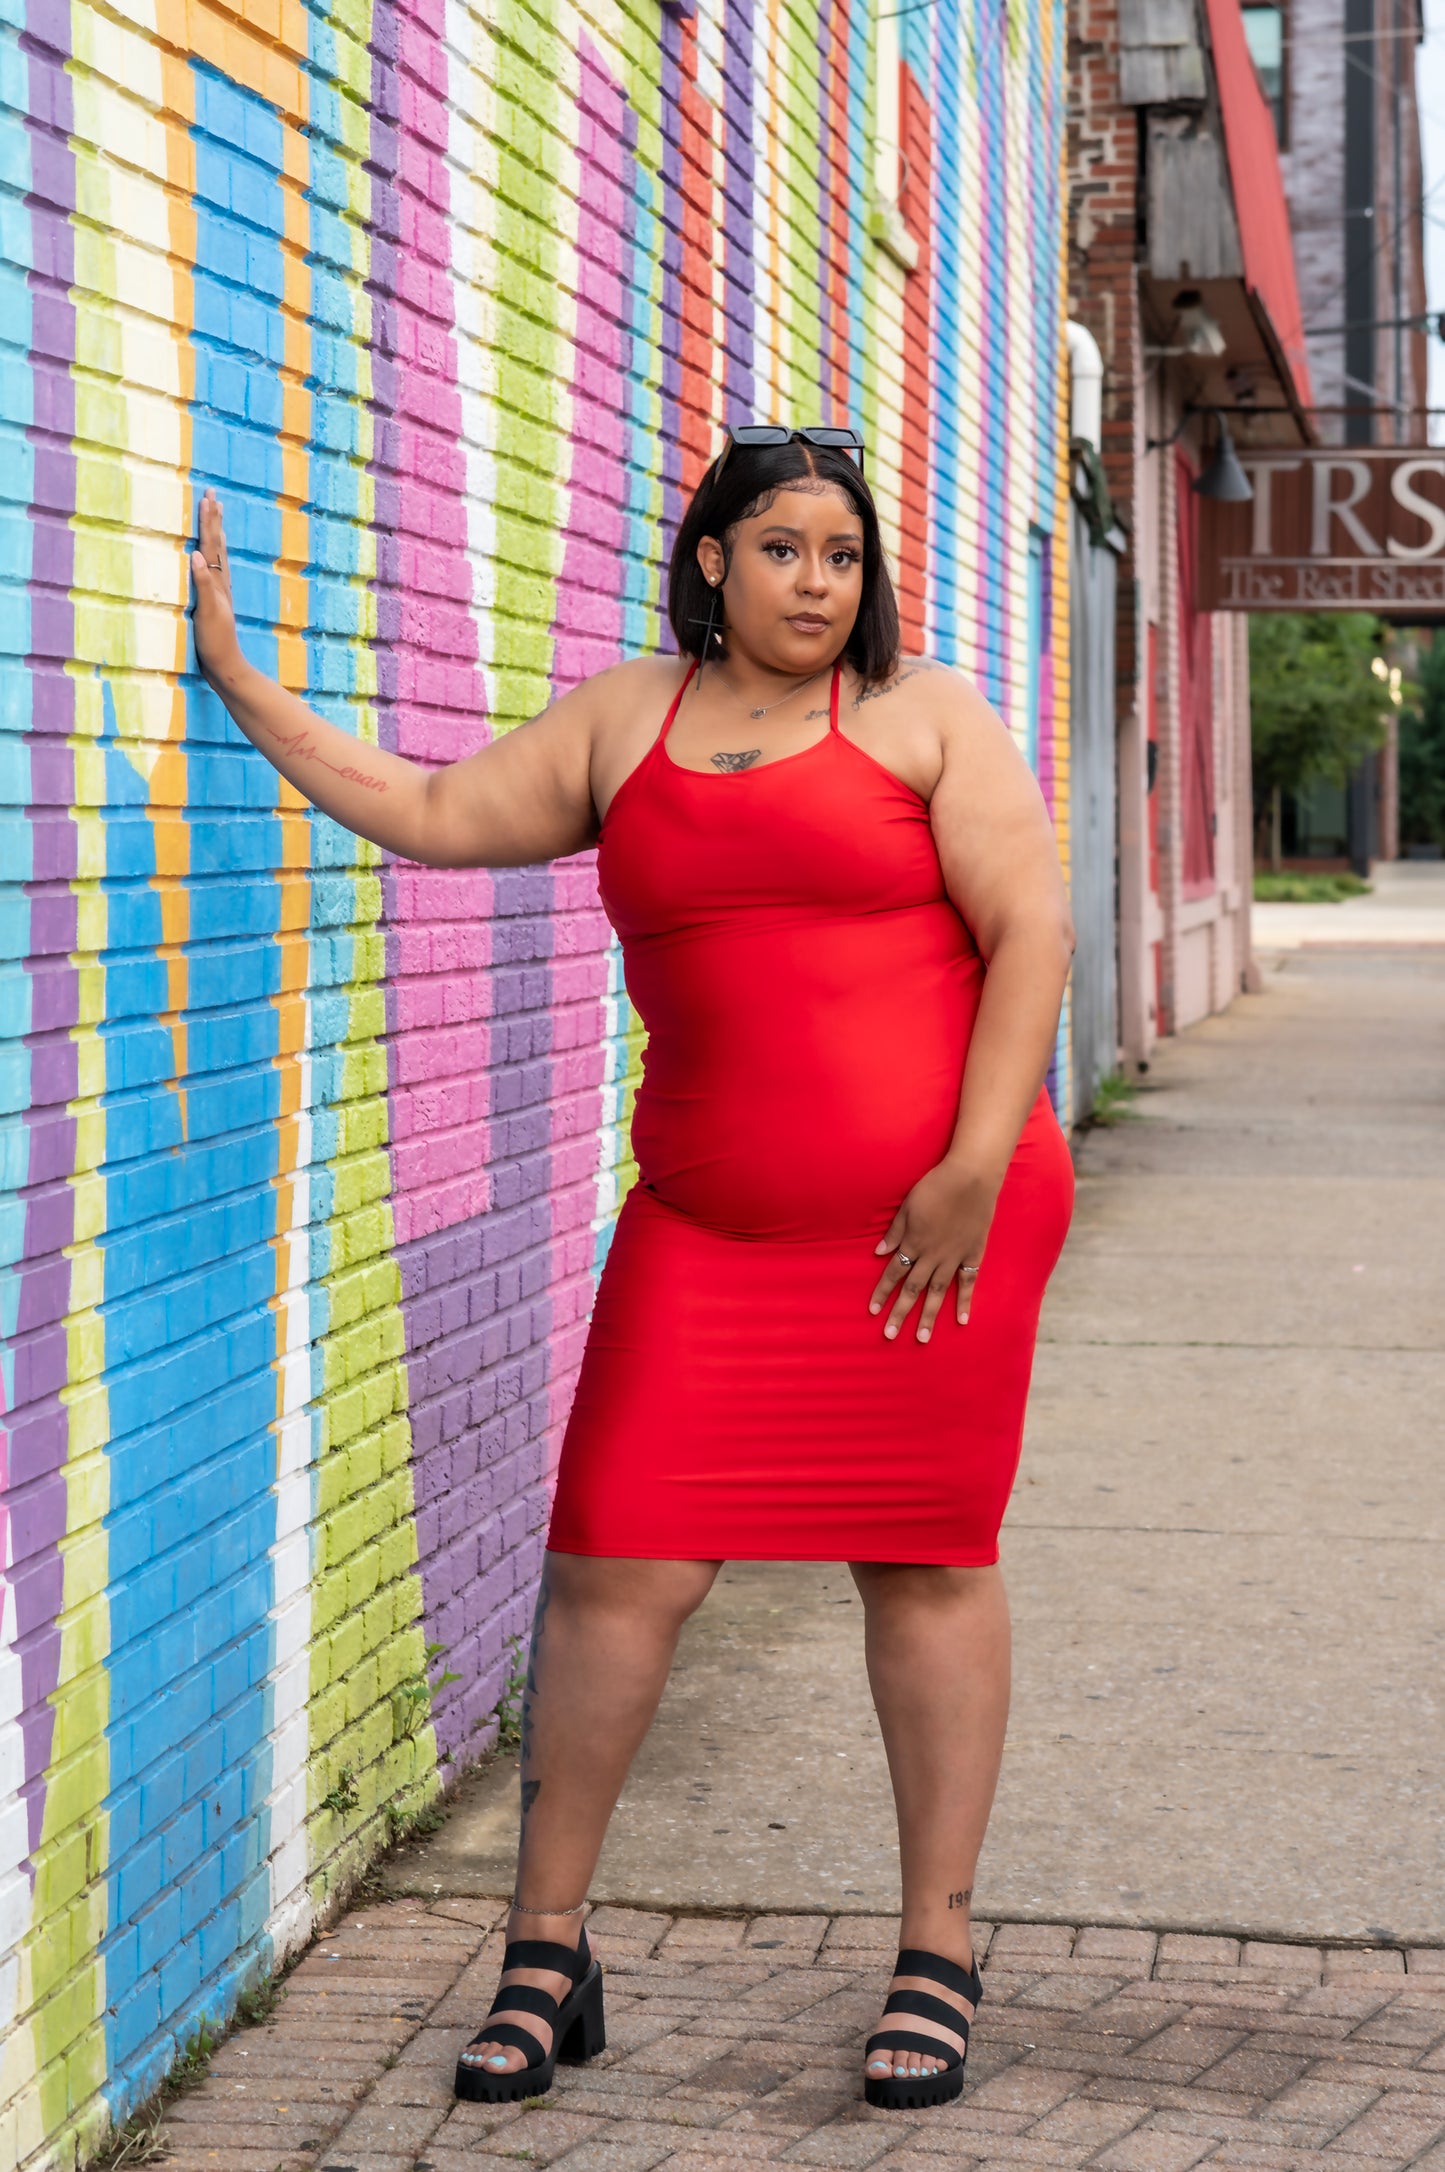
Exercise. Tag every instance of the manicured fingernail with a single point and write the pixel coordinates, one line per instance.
(875, 1308)
(924, 1333)
(890, 1331)
(963, 1319)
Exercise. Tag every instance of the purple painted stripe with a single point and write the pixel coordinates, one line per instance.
(476, 1307)
(39, 1434)
(586, 627)
(671, 232)
(740, 388)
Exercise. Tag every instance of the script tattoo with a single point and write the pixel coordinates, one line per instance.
(731, 762)
(301, 744)
(900, 678)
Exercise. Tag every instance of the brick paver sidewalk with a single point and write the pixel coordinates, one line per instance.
(736, 2041)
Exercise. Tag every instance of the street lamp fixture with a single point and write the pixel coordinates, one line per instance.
(1224, 478)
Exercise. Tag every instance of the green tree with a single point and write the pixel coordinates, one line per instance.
(1316, 705)
(1422, 753)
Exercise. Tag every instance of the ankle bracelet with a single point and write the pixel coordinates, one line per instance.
(519, 1910)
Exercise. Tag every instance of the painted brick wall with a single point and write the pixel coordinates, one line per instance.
(310, 1157)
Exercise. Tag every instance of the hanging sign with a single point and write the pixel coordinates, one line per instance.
(1338, 528)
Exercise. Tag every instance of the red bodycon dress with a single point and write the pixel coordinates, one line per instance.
(808, 991)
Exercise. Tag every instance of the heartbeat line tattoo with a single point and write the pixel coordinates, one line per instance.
(303, 746)
(732, 762)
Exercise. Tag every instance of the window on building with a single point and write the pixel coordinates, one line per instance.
(1264, 29)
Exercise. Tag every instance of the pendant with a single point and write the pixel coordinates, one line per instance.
(757, 712)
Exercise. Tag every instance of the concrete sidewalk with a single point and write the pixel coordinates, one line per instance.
(1225, 1550)
(1225, 1553)
(1406, 904)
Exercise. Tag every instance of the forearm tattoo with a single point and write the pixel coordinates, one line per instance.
(301, 746)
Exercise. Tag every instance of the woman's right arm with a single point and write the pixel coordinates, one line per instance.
(527, 797)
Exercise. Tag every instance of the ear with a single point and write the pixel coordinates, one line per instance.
(710, 558)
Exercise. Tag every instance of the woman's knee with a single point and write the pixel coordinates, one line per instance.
(923, 1586)
(660, 1594)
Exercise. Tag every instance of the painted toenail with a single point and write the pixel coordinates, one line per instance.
(495, 2061)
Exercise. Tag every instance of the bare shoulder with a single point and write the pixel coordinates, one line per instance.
(618, 694)
(914, 671)
(939, 692)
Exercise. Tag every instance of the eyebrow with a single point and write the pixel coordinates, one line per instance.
(839, 535)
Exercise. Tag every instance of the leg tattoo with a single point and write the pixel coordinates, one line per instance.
(531, 1788)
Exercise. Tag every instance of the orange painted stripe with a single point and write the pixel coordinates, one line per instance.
(916, 135)
(700, 221)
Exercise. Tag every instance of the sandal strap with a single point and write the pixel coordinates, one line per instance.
(910, 2040)
(526, 1998)
(928, 2008)
(542, 1953)
(516, 2038)
(914, 1961)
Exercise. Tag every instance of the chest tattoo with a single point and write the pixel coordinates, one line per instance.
(735, 761)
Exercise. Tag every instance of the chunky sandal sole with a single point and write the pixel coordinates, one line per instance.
(915, 2092)
(578, 2034)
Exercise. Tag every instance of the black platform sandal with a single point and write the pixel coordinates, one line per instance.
(911, 2092)
(578, 2029)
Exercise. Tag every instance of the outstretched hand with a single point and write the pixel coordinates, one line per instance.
(936, 1239)
(214, 614)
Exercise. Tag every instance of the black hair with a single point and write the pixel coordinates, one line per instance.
(750, 477)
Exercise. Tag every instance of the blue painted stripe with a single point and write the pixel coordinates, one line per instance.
(190, 1213)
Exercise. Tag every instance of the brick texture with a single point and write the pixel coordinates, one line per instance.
(311, 1157)
(735, 2042)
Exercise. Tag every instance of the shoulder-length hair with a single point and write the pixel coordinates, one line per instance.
(751, 474)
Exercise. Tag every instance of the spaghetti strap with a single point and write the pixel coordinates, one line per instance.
(677, 697)
(833, 702)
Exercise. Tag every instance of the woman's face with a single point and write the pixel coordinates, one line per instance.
(793, 578)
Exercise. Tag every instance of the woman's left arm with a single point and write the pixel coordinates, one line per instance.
(996, 846)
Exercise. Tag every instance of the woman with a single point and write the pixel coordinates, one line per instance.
(834, 880)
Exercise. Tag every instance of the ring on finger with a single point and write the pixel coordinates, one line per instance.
(969, 1271)
(904, 1261)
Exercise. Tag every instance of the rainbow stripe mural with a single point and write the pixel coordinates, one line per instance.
(311, 1158)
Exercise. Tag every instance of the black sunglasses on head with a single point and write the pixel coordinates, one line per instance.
(748, 434)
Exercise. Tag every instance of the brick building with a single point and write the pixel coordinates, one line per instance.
(1340, 75)
(1180, 265)
(311, 1157)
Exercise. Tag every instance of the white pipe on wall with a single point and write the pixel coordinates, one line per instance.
(1086, 385)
